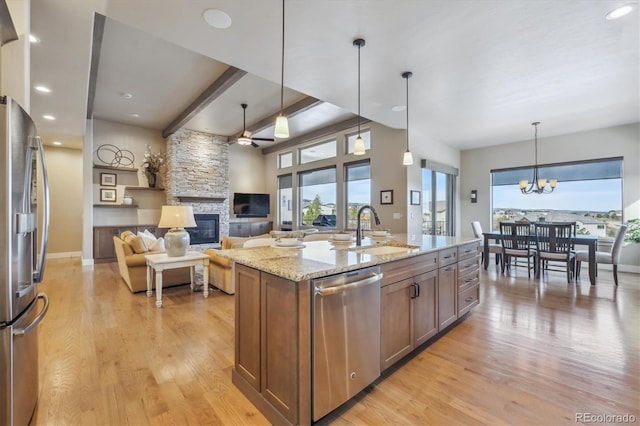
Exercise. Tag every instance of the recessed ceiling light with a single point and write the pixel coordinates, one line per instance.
(48, 117)
(42, 89)
(619, 12)
(33, 39)
(134, 114)
(127, 95)
(217, 18)
(398, 108)
(57, 143)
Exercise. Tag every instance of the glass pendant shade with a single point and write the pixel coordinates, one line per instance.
(358, 148)
(282, 127)
(407, 160)
(537, 185)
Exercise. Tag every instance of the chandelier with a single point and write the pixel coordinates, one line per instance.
(538, 185)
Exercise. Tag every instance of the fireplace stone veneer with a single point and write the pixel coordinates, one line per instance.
(197, 175)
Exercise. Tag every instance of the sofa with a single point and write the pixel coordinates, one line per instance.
(133, 267)
(221, 268)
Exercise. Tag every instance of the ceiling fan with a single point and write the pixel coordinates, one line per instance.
(245, 138)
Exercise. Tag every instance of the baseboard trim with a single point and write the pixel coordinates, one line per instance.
(87, 262)
(63, 255)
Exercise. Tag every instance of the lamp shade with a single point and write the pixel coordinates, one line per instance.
(407, 159)
(358, 148)
(177, 217)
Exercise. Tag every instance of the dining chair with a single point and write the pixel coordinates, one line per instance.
(612, 257)
(516, 243)
(493, 247)
(553, 243)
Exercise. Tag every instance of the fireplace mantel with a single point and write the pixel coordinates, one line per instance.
(201, 199)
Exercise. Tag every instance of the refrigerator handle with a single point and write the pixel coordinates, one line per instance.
(38, 274)
(35, 322)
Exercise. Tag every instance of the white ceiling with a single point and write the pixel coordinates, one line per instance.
(483, 70)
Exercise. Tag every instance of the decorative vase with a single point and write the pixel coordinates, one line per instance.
(152, 179)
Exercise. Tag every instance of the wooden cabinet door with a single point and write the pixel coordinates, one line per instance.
(247, 331)
(396, 338)
(259, 228)
(447, 296)
(279, 335)
(103, 248)
(425, 307)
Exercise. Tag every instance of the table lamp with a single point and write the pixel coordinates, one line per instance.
(177, 218)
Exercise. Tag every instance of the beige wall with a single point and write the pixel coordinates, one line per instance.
(64, 170)
(247, 174)
(601, 143)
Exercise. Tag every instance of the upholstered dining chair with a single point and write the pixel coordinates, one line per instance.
(611, 258)
(516, 243)
(493, 247)
(554, 243)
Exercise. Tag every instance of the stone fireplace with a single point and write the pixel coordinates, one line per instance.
(197, 175)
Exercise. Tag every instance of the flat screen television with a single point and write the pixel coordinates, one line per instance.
(250, 205)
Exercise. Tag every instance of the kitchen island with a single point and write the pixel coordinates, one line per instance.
(421, 289)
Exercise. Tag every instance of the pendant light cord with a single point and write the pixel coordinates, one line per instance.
(282, 65)
(407, 78)
(359, 47)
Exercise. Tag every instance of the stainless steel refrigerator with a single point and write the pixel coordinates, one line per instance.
(22, 255)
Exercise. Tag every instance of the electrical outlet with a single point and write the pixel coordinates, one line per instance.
(397, 215)
(413, 237)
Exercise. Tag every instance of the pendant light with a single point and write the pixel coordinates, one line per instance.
(538, 185)
(358, 147)
(407, 160)
(282, 125)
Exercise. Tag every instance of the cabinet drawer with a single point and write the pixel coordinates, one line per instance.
(407, 268)
(468, 266)
(468, 299)
(466, 281)
(447, 256)
(468, 250)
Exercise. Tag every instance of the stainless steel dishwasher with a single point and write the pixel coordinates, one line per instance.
(346, 337)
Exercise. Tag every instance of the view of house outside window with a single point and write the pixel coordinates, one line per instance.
(358, 186)
(589, 193)
(318, 197)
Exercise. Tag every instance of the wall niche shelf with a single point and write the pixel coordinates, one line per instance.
(117, 206)
(120, 169)
(142, 188)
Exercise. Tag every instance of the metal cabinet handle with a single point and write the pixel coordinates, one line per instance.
(469, 299)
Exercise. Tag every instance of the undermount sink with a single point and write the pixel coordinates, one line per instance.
(384, 249)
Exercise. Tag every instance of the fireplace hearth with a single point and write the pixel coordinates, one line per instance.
(208, 230)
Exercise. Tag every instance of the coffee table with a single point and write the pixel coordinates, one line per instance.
(160, 262)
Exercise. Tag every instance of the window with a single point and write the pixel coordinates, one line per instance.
(357, 177)
(438, 195)
(285, 200)
(285, 160)
(317, 152)
(318, 197)
(351, 141)
(588, 192)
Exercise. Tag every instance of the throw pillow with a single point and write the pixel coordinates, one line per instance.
(148, 240)
(157, 245)
(136, 243)
(125, 234)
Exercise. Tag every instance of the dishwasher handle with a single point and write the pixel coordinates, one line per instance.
(328, 291)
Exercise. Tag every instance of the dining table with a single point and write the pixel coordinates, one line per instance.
(591, 241)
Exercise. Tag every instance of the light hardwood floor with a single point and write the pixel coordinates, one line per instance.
(533, 352)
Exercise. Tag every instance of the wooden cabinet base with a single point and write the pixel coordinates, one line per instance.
(258, 400)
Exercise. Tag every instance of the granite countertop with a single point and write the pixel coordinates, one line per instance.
(322, 258)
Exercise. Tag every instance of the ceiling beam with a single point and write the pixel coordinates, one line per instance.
(211, 93)
(319, 133)
(290, 111)
(96, 47)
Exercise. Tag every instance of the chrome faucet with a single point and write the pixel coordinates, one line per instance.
(359, 235)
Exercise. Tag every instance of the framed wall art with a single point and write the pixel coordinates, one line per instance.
(386, 196)
(108, 179)
(415, 198)
(108, 195)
